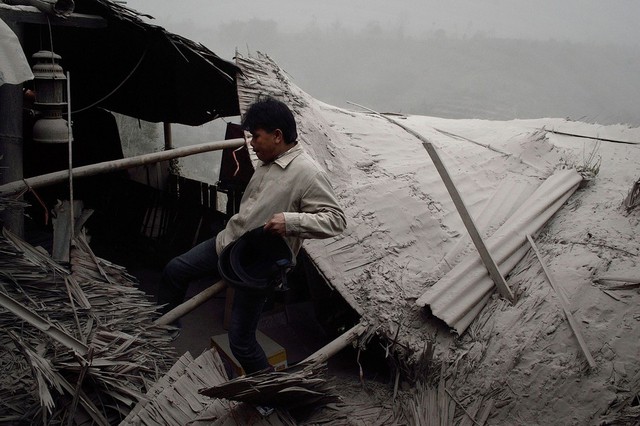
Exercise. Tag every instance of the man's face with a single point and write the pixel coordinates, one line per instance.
(267, 145)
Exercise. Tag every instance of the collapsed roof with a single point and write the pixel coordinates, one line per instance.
(404, 232)
(404, 261)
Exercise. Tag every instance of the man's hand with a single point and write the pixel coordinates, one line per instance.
(276, 225)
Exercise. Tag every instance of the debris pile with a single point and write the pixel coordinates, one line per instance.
(78, 344)
(174, 399)
(293, 387)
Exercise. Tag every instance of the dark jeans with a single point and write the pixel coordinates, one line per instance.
(199, 262)
(202, 261)
(245, 314)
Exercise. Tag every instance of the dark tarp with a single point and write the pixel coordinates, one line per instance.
(162, 76)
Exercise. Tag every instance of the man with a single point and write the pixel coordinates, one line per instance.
(288, 194)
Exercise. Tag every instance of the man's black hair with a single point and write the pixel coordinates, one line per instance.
(270, 114)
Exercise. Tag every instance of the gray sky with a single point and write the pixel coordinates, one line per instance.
(613, 21)
(491, 59)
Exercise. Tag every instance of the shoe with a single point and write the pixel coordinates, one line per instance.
(175, 333)
(264, 410)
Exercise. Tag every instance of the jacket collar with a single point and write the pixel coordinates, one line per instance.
(288, 156)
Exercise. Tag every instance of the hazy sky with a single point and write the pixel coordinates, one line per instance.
(491, 59)
(613, 21)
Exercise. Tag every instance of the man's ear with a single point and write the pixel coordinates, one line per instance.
(279, 135)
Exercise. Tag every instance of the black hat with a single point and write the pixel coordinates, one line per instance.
(255, 261)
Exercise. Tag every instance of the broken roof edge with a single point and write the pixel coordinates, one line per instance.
(225, 69)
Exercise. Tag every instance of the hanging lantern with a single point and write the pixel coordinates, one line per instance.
(50, 88)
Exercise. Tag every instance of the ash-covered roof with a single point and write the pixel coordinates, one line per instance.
(405, 243)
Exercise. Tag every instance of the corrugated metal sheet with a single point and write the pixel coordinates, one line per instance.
(460, 295)
(506, 199)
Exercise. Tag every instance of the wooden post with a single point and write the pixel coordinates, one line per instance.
(565, 307)
(64, 217)
(488, 261)
(164, 168)
(168, 137)
(111, 166)
(188, 306)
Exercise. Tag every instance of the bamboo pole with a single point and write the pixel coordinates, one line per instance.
(335, 346)
(472, 229)
(42, 324)
(630, 280)
(595, 138)
(565, 306)
(188, 306)
(16, 187)
(51, 7)
(72, 217)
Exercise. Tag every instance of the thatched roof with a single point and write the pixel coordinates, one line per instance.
(138, 69)
(405, 238)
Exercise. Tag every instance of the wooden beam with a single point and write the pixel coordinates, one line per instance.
(188, 306)
(111, 166)
(31, 15)
(565, 307)
(488, 261)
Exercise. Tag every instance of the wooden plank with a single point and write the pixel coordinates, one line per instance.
(488, 261)
(565, 306)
